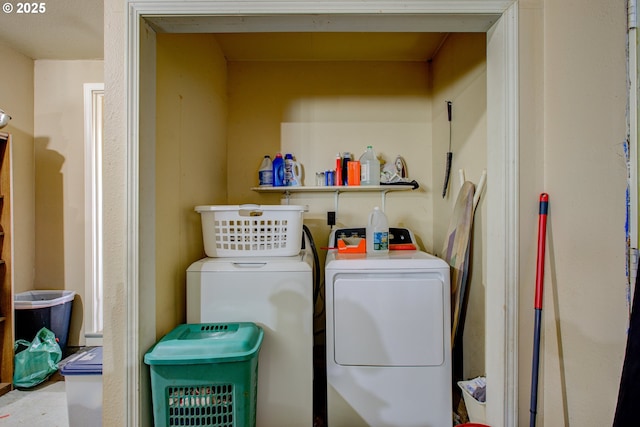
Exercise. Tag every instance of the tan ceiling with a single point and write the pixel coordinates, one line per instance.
(330, 46)
(66, 29)
(73, 29)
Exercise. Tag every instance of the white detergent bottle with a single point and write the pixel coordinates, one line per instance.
(369, 168)
(265, 173)
(377, 233)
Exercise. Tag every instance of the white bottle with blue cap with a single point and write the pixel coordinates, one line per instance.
(377, 233)
(265, 173)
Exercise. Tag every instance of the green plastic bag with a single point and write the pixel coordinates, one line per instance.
(37, 360)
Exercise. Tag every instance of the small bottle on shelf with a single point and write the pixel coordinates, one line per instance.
(265, 173)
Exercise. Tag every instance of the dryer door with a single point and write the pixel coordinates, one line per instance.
(389, 319)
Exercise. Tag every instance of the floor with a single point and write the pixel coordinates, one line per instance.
(42, 406)
(46, 405)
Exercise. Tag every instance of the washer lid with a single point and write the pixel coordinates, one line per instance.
(392, 260)
(256, 264)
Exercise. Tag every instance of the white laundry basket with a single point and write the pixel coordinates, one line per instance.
(251, 230)
(476, 410)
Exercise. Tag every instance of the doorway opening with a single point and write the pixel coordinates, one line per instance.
(497, 20)
(93, 115)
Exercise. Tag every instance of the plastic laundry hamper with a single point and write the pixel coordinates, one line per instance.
(206, 375)
(251, 230)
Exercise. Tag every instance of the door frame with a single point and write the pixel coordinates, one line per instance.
(93, 124)
(499, 19)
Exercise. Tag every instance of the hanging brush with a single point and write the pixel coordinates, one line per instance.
(449, 155)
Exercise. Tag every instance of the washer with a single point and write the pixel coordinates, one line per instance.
(276, 293)
(388, 337)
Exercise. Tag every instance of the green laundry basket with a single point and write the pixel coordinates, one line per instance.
(206, 375)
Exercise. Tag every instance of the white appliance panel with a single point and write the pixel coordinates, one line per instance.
(388, 320)
(380, 394)
(267, 298)
(369, 396)
(277, 295)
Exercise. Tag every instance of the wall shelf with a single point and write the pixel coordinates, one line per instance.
(336, 190)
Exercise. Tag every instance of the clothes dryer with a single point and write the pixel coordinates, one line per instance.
(276, 293)
(388, 346)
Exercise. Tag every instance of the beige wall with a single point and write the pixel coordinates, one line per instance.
(572, 124)
(115, 367)
(16, 95)
(316, 109)
(191, 160)
(581, 90)
(313, 109)
(60, 179)
(460, 76)
(45, 100)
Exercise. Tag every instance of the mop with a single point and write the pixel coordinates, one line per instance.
(449, 155)
(542, 234)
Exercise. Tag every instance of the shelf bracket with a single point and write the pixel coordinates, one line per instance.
(383, 195)
(336, 191)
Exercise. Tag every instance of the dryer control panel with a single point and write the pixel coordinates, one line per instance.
(397, 236)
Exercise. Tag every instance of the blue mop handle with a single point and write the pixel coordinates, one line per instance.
(534, 369)
(542, 233)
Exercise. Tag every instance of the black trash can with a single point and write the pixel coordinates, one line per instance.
(35, 310)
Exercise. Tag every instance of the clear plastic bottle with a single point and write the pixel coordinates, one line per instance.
(377, 233)
(265, 173)
(369, 168)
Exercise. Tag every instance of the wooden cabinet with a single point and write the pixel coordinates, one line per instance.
(6, 286)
